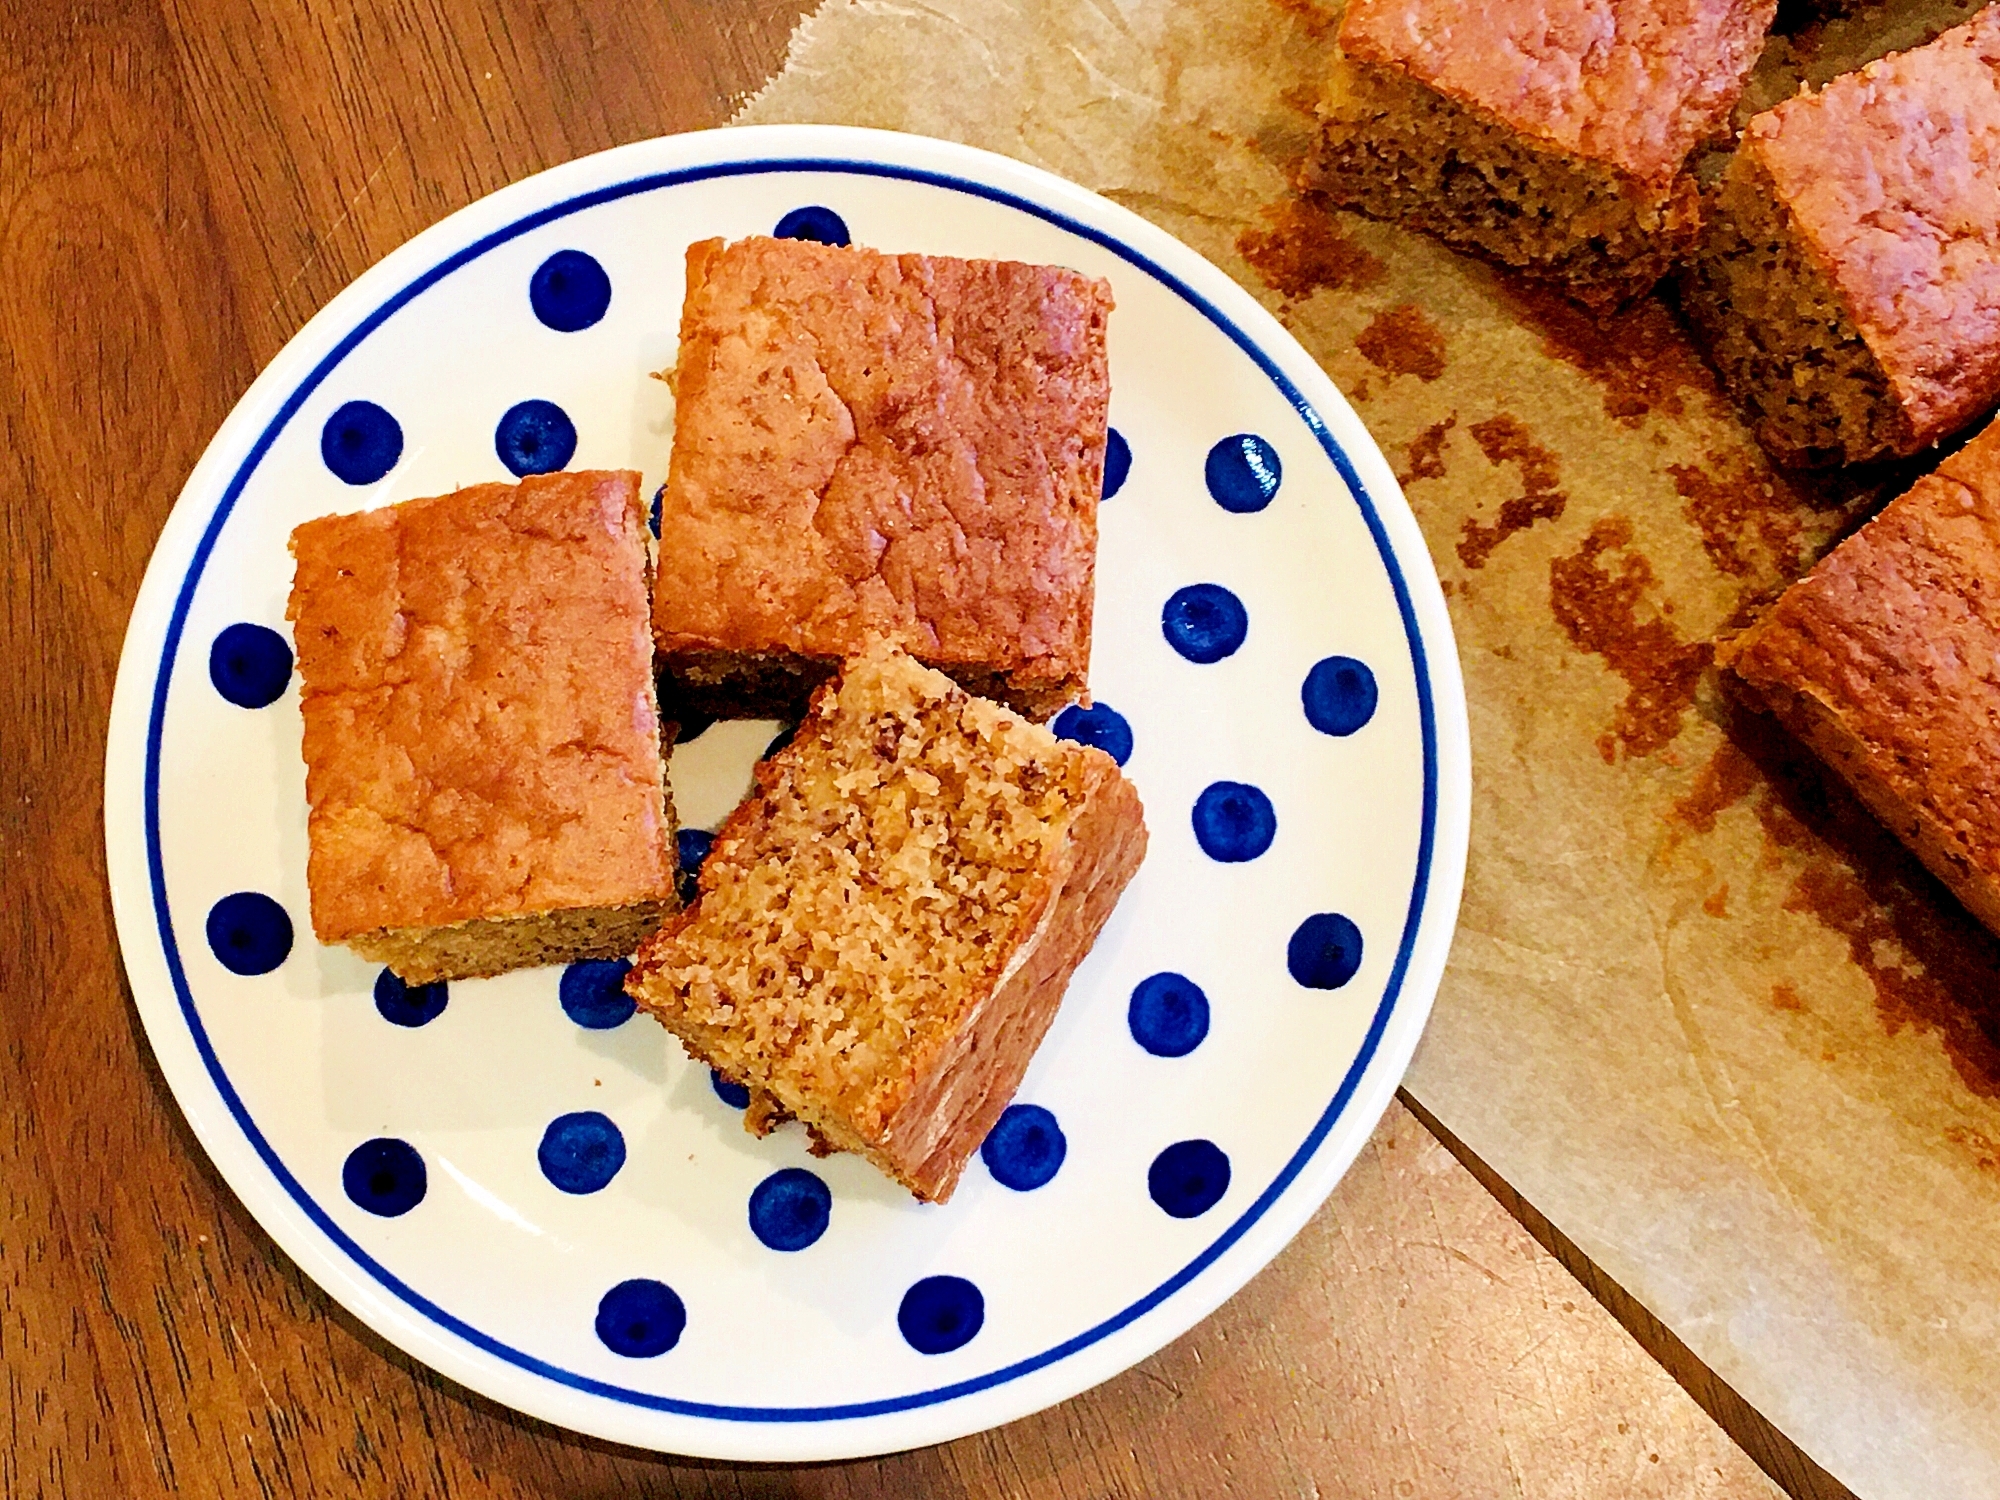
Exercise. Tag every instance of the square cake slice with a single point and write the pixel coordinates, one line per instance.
(903, 446)
(1885, 660)
(484, 778)
(1551, 136)
(886, 927)
(1848, 282)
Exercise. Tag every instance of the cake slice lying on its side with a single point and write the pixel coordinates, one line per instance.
(1885, 660)
(1848, 282)
(902, 446)
(1552, 136)
(886, 927)
(484, 780)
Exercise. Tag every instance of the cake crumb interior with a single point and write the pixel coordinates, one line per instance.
(1398, 150)
(1781, 336)
(896, 858)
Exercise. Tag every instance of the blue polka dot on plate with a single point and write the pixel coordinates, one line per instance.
(653, 514)
(360, 442)
(581, 1152)
(1188, 1178)
(249, 933)
(735, 1095)
(1205, 622)
(691, 846)
(1325, 951)
(1168, 1015)
(593, 993)
(385, 1176)
(1243, 473)
(250, 665)
(789, 1210)
(1100, 725)
(1234, 822)
(569, 291)
(814, 222)
(1025, 1148)
(1339, 695)
(940, 1314)
(641, 1318)
(403, 1004)
(1117, 462)
(535, 437)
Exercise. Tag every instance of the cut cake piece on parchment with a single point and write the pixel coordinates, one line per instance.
(1885, 660)
(1552, 136)
(1848, 279)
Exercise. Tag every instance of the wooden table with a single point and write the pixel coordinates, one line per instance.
(182, 183)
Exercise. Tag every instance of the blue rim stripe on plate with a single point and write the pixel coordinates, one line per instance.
(650, 183)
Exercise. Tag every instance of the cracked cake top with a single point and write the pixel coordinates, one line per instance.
(480, 736)
(1635, 84)
(907, 446)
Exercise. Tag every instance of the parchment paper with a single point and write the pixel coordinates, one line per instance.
(1701, 1011)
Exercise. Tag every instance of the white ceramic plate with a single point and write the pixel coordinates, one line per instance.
(1190, 1160)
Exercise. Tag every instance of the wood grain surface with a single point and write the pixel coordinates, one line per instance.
(182, 183)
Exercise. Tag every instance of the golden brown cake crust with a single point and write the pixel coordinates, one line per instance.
(896, 445)
(1635, 85)
(1886, 660)
(1891, 176)
(480, 735)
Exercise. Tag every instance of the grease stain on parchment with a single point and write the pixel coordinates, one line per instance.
(1423, 458)
(1404, 341)
(1748, 516)
(1300, 249)
(1604, 596)
(1929, 964)
(1764, 527)
(1506, 439)
(1640, 358)
(1979, 1147)
(1725, 779)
